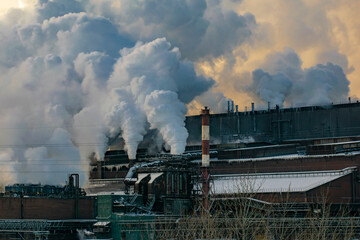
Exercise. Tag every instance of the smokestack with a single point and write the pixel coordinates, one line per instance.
(228, 106)
(253, 114)
(349, 99)
(99, 169)
(77, 188)
(237, 108)
(205, 120)
(131, 162)
(268, 106)
(205, 125)
(232, 106)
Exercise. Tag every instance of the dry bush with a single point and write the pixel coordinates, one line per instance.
(241, 216)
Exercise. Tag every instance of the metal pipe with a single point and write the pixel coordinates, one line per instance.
(253, 113)
(77, 186)
(129, 175)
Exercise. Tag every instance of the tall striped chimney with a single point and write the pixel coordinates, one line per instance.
(205, 139)
(205, 163)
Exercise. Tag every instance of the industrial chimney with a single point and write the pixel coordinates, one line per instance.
(205, 125)
(205, 139)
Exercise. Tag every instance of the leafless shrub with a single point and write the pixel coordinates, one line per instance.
(242, 216)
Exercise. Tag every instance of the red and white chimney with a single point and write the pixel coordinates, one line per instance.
(205, 122)
(205, 126)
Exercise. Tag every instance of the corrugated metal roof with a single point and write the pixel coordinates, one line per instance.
(275, 182)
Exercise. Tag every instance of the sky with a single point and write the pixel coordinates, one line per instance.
(6, 5)
(318, 31)
(77, 74)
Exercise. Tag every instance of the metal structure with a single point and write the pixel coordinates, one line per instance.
(77, 191)
(35, 211)
(42, 229)
(71, 189)
(274, 125)
(263, 227)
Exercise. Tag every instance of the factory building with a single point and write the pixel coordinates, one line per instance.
(299, 156)
(279, 124)
(336, 186)
(287, 141)
(35, 211)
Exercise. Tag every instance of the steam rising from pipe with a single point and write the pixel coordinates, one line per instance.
(72, 80)
(126, 117)
(166, 113)
(78, 73)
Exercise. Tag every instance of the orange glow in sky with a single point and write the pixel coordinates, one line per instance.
(6, 5)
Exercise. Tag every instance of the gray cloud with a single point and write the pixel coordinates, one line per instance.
(199, 28)
(71, 80)
(57, 8)
(283, 80)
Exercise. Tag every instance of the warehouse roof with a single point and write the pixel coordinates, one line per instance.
(275, 182)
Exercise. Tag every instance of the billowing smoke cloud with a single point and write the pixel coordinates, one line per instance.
(201, 28)
(166, 113)
(145, 70)
(282, 80)
(271, 88)
(280, 24)
(72, 79)
(76, 73)
(126, 116)
(215, 100)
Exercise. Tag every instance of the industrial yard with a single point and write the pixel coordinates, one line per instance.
(179, 119)
(271, 187)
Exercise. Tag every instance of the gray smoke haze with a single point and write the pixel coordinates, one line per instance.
(154, 93)
(193, 26)
(125, 116)
(76, 74)
(282, 80)
(215, 100)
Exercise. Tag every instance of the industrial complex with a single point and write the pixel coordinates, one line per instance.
(283, 168)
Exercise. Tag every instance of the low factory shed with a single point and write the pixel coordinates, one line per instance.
(336, 186)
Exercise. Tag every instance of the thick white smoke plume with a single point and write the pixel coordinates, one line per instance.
(282, 80)
(165, 112)
(139, 75)
(77, 73)
(200, 28)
